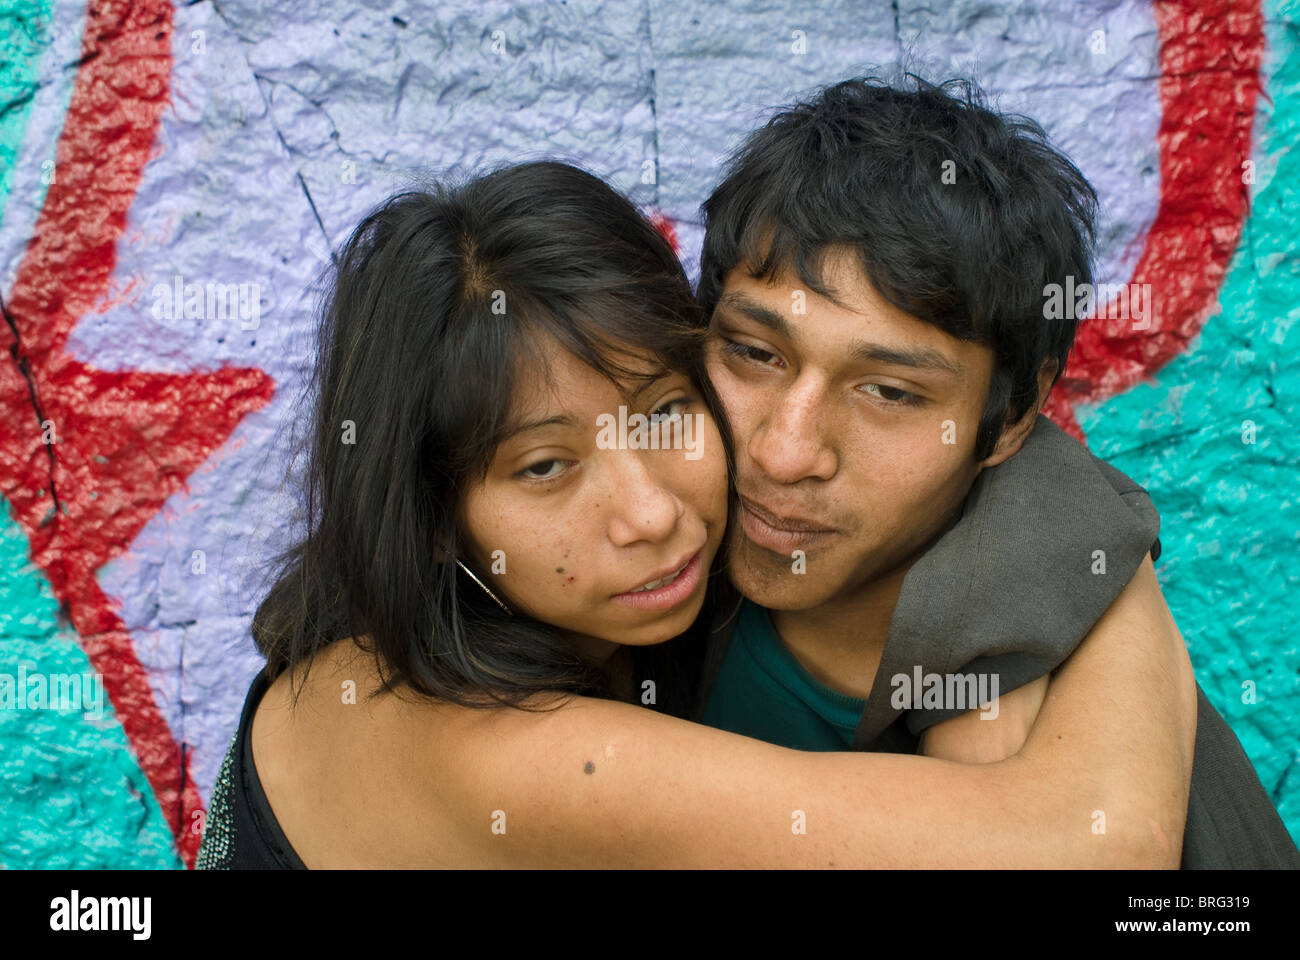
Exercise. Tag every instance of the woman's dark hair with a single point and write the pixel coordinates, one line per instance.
(862, 164)
(437, 300)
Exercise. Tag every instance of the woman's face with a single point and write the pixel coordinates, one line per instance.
(577, 514)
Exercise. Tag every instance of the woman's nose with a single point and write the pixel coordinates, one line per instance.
(643, 506)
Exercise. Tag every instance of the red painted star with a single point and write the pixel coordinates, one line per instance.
(124, 441)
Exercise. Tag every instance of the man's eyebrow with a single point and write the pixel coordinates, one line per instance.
(514, 430)
(921, 358)
(756, 312)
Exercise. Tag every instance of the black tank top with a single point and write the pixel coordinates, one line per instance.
(241, 832)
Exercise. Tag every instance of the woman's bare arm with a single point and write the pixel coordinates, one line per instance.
(972, 738)
(600, 783)
(980, 736)
(986, 736)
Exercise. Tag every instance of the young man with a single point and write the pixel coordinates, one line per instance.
(914, 540)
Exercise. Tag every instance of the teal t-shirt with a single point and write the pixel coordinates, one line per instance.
(762, 691)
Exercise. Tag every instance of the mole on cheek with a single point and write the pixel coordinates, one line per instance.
(589, 768)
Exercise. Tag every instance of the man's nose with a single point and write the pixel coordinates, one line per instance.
(790, 442)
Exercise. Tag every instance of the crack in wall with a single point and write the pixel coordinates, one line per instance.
(24, 369)
(316, 214)
(654, 89)
(26, 97)
(270, 119)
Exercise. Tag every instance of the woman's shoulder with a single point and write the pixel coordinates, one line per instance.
(240, 831)
(360, 776)
(347, 767)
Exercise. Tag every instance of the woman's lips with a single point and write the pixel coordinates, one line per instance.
(783, 535)
(670, 594)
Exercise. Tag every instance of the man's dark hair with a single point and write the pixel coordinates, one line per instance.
(862, 165)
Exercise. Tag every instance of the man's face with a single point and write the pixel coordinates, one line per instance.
(855, 430)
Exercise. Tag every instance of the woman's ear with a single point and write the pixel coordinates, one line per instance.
(1014, 434)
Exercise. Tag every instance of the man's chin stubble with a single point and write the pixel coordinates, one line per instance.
(768, 578)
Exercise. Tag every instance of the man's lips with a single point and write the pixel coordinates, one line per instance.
(788, 522)
(782, 533)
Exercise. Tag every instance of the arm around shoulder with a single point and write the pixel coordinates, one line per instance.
(597, 783)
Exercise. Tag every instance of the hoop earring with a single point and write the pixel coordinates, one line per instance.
(484, 586)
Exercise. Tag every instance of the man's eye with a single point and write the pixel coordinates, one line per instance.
(544, 470)
(747, 352)
(890, 394)
(672, 409)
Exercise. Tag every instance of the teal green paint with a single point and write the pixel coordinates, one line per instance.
(24, 37)
(1230, 509)
(71, 792)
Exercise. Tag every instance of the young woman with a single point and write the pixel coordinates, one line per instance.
(480, 653)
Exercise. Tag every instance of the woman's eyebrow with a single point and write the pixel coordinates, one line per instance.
(649, 381)
(561, 420)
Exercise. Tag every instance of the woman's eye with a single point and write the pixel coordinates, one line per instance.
(890, 394)
(672, 409)
(745, 351)
(544, 469)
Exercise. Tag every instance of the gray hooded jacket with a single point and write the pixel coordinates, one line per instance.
(1010, 589)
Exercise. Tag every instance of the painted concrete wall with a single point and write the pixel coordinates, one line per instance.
(142, 447)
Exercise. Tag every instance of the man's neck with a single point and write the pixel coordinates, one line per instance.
(840, 642)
